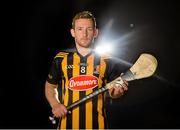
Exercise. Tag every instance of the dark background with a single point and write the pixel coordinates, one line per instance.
(37, 30)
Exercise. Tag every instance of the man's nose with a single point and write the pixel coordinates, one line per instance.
(85, 33)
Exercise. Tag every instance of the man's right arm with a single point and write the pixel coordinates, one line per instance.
(51, 94)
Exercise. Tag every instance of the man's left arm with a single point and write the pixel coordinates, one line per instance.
(114, 70)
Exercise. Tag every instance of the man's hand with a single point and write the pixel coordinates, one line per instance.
(59, 110)
(118, 88)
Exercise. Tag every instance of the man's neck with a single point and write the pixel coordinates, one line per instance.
(83, 51)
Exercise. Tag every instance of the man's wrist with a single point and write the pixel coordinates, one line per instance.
(55, 104)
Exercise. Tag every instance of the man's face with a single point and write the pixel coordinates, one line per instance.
(84, 32)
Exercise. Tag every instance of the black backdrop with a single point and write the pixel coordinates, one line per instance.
(39, 29)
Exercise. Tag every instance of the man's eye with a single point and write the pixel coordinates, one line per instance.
(90, 29)
(79, 29)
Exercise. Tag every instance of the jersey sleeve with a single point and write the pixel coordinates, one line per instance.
(54, 73)
(114, 69)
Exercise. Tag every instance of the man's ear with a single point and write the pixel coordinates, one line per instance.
(96, 32)
(72, 32)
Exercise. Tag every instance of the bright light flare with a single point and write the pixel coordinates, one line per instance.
(102, 49)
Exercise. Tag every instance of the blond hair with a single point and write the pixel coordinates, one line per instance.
(84, 15)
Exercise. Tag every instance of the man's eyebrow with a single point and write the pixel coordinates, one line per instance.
(79, 27)
(84, 27)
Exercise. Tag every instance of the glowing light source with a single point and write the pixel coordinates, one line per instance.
(102, 49)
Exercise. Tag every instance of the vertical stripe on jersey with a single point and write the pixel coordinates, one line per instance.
(100, 96)
(70, 74)
(75, 111)
(64, 69)
(90, 67)
(63, 90)
(104, 105)
(82, 109)
(95, 99)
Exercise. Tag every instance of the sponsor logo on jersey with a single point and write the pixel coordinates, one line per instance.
(69, 66)
(83, 82)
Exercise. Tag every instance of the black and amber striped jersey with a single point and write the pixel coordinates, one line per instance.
(78, 76)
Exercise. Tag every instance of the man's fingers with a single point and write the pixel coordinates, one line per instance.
(60, 114)
(122, 84)
(126, 82)
(64, 112)
(119, 89)
(125, 87)
(59, 111)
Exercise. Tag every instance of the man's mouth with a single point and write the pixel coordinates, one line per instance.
(84, 38)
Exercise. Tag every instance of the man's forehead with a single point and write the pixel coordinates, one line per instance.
(83, 21)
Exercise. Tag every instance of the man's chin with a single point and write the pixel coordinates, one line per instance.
(85, 45)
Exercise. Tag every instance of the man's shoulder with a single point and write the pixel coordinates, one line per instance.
(61, 54)
(64, 53)
(106, 56)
